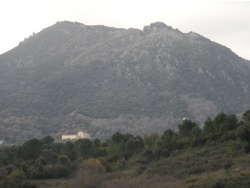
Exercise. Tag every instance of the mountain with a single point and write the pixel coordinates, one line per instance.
(100, 79)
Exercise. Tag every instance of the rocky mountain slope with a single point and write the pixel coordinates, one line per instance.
(100, 79)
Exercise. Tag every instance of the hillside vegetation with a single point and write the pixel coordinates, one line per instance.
(213, 156)
(98, 79)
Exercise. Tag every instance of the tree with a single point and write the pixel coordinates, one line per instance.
(98, 148)
(47, 140)
(221, 124)
(117, 137)
(61, 171)
(30, 149)
(127, 136)
(185, 128)
(230, 123)
(133, 146)
(243, 133)
(48, 155)
(166, 140)
(209, 128)
(115, 150)
(246, 116)
(83, 148)
(220, 118)
(69, 150)
(150, 140)
(168, 134)
(63, 160)
(56, 147)
(97, 142)
(196, 132)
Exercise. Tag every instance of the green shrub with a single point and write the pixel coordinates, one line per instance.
(234, 148)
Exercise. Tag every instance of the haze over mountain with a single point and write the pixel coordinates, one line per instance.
(71, 76)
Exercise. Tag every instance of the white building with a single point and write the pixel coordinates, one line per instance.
(79, 135)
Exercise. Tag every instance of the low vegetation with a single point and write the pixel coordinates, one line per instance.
(215, 155)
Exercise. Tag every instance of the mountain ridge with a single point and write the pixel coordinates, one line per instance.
(105, 73)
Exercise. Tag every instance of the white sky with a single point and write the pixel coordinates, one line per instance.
(225, 22)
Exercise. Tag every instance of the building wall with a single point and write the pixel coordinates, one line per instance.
(79, 135)
(68, 137)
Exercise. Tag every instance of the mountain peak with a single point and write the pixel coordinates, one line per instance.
(156, 26)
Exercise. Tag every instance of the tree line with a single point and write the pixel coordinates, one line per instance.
(46, 159)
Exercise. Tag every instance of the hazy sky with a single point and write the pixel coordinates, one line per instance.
(225, 22)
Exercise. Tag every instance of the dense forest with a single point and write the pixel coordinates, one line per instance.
(215, 155)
